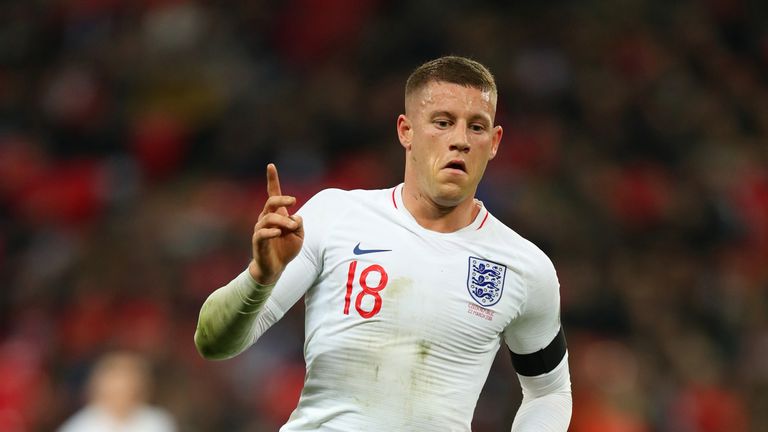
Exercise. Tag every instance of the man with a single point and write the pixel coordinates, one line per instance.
(408, 290)
(118, 391)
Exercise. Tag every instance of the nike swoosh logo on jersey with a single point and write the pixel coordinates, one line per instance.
(358, 251)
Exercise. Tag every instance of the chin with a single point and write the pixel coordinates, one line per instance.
(450, 195)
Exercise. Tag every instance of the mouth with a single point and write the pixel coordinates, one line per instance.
(456, 164)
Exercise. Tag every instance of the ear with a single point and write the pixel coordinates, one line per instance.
(404, 131)
(495, 140)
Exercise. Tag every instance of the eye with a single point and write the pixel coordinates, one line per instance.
(477, 127)
(441, 123)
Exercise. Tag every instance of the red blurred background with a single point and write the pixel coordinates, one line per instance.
(133, 141)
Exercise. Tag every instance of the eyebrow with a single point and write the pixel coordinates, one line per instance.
(481, 118)
(472, 118)
(448, 114)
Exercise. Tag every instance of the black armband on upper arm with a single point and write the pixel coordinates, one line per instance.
(542, 361)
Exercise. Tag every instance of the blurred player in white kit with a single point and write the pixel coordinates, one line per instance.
(408, 291)
(118, 392)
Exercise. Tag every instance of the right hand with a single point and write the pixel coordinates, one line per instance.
(277, 236)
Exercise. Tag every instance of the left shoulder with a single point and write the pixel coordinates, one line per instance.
(533, 262)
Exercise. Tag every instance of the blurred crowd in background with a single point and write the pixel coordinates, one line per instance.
(134, 137)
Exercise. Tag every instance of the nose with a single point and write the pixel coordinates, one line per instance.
(459, 140)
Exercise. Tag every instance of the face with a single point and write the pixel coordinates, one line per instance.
(449, 137)
(120, 385)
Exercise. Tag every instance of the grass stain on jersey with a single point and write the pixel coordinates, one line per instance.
(424, 349)
(421, 386)
(397, 287)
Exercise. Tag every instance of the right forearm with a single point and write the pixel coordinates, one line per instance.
(226, 322)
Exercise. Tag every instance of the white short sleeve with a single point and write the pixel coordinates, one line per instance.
(539, 320)
(302, 272)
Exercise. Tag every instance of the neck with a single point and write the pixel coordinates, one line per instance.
(434, 217)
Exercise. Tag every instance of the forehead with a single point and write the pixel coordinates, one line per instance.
(440, 96)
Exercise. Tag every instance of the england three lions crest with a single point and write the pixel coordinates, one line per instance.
(485, 281)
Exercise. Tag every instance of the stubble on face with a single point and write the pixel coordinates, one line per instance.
(429, 148)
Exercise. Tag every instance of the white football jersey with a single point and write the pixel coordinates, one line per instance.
(403, 323)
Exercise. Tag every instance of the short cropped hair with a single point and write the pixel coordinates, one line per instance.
(451, 69)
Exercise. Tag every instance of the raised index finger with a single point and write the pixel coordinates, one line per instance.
(273, 181)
